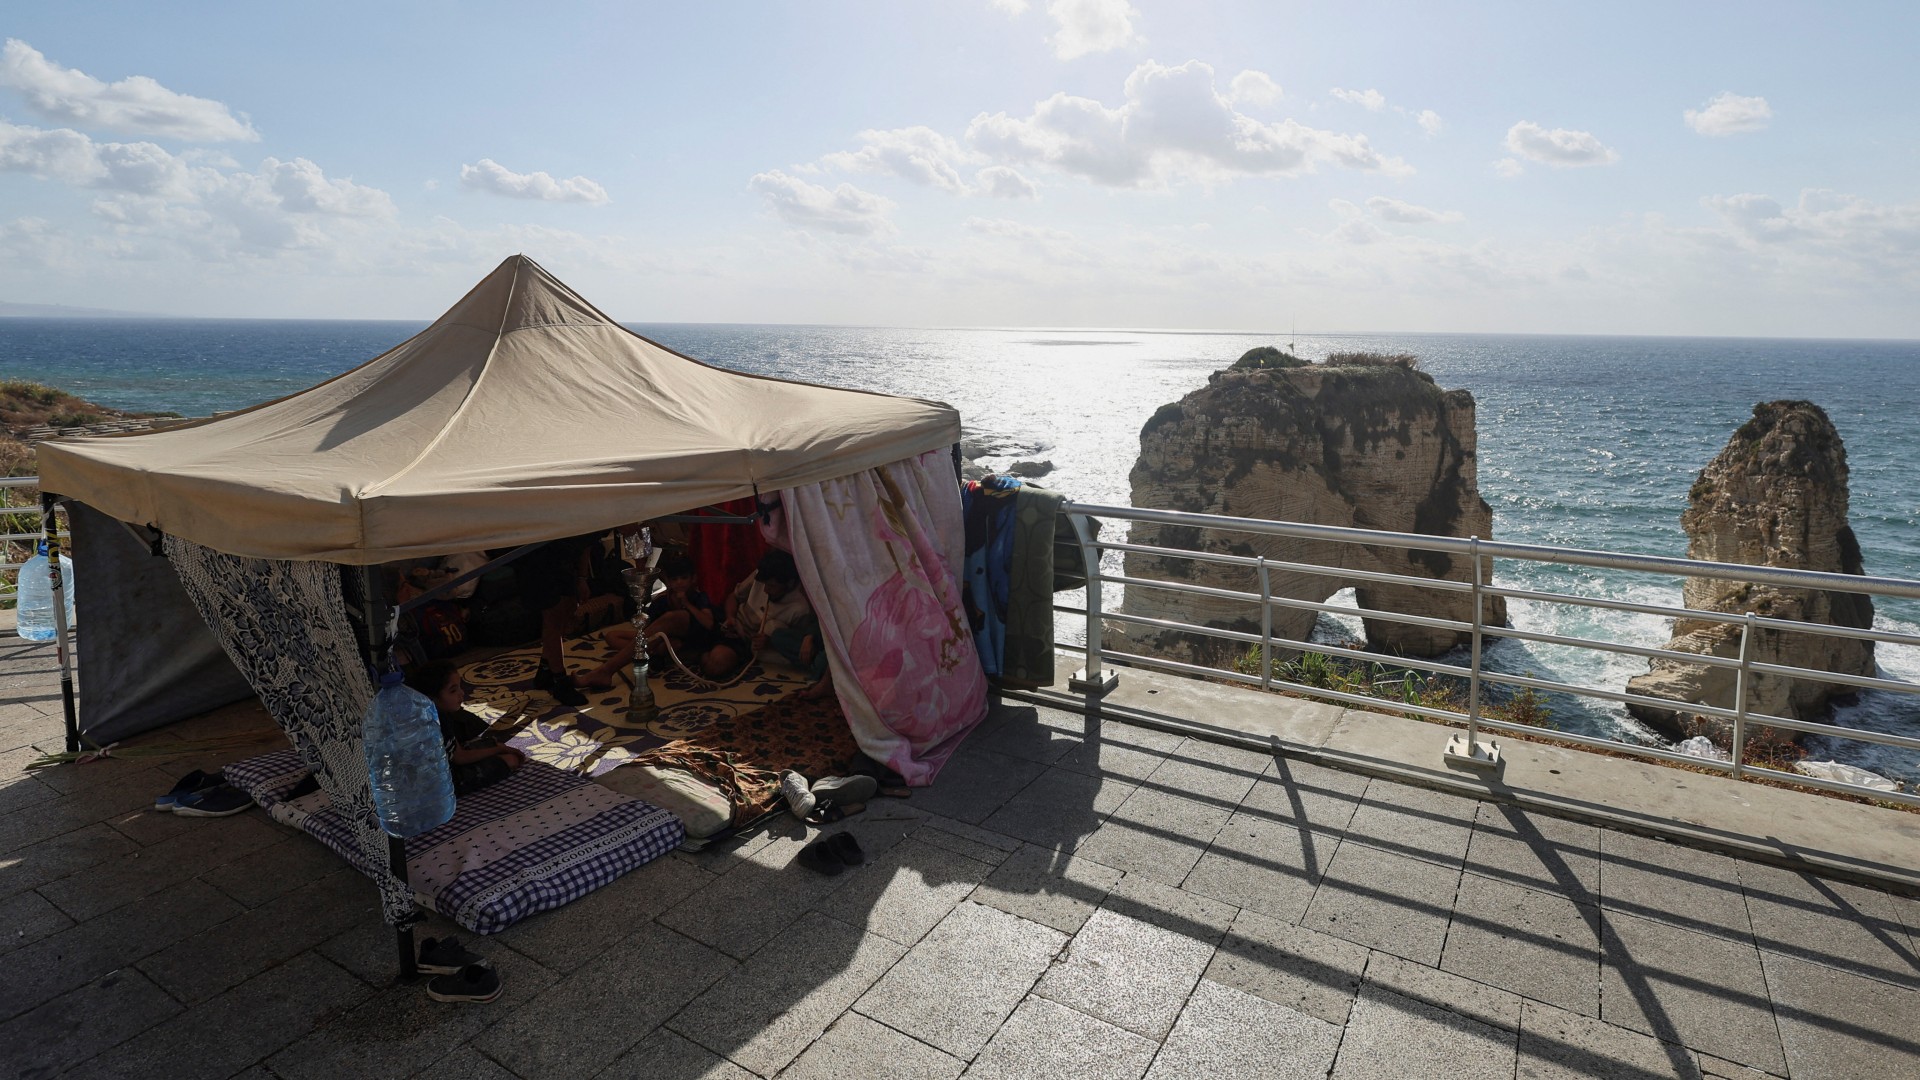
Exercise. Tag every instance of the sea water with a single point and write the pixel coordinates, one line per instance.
(1583, 441)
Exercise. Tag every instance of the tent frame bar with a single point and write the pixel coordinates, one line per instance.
(380, 618)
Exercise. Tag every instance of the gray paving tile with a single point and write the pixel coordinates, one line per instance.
(105, 886)
(905, 892)
(1414, 821)
(1721, 1069)
(1540, 852)
(1699, 890)
(79, 954)
(1105, 755)
(1048, 887)
(1226, 1033)
(720, 858)
(1289, 965)
(81, 1023)
(1129, 973)
(1829, 922)
(664, 1055)
(975, 782)
(400, 1031)
(1705, 992)
(608, 1004)
(1042, 1038)
(26, 918)
(765, 1013)
(1037, 734)
(1488, 1005)
(1538, 945)
(1263, 864)
(857, 1047)
(956, 987)
(1209, 771)
(1559, 1045)
(1840, 1025)
(1306, 795)
(1155, 834)
(465, 1063)
(1188, 914)
(208, 963)
(290, 863)
(970, 840)
(1384, 901)
(1060, 809)
(1390, 1037)
(239, 1027)
(64, 814)
(68, 853)
(20, 791)
(559, 939)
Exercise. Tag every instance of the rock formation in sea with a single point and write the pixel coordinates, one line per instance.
(1363, 441)
(1775, 496)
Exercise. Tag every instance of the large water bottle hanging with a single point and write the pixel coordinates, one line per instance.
(406, 760)
(34, 619)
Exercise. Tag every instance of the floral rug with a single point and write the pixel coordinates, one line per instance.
(599, 736)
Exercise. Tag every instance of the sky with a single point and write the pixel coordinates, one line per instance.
(1746, 169)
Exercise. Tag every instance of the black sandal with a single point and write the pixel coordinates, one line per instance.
(846, 848)
(475, 982)
(821, 858)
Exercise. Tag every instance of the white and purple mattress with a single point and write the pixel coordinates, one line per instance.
(536, 840)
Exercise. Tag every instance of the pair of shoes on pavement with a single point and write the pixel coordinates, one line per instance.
(458, 975)
(828, 799)
(560, 686)
(200, 794)
(832, 854)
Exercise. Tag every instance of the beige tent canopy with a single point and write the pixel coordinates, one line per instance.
(522, 414)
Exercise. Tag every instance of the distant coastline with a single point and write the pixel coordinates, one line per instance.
(11, 310)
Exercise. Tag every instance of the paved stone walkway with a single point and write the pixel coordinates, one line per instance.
(1068, 901)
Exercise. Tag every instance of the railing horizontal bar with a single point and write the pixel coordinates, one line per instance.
(1344, 653)
(1865, 682)
(1373, 613)
(1814, 727)
(1825, 630)
(1610, 695)
(1297, 567)
(1663, 610)
(1616, 647)
(1648, 564)
(1301, 605)
(1900, 797)
(1185, 628)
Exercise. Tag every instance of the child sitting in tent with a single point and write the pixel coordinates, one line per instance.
(474, 757)
(683, 614)
(767, 610)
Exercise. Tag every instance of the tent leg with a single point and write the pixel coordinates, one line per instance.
(50, 528)
(374, 606)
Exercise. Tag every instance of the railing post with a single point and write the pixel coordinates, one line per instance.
(1468, 749)
(1742, 683)
(1266, 627)
(1090, 681)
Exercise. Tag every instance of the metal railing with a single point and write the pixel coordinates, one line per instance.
(19, 530)
(1466, 748)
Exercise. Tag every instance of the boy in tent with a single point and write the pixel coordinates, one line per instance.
(682, 613)
(768, 610)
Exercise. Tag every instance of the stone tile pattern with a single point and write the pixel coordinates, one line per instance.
(1072, 900)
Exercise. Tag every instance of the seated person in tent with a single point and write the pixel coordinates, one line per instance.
(682, 616)
(766, 603)
(474, 757)
(553, 580)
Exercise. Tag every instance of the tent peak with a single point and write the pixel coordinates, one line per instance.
(520, 294)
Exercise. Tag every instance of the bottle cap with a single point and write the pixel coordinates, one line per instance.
(392, 678)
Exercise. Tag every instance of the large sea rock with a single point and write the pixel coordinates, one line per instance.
(1776, 496)
(1375, 446)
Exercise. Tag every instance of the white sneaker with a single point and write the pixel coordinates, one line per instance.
(799, 797)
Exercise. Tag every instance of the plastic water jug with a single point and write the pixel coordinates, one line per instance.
(35, 614)
(406, 760)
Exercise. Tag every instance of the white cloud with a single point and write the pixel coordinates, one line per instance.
(1090, 26)
(1354, 228)
(1730, 114)
(1001, 182)
(1370, 100)
(1253, 88)
(1849, 234)
(1509, 167)
(845, 209)
(1010, 7)
(302, 187)
(136, 105)
(1430, 122)
(496, 179)
(919, 154)
(1406, 213)
(1174, 125)
(1559, 147)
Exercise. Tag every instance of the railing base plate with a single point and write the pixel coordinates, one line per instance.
(1479, 755)
(1094, 688)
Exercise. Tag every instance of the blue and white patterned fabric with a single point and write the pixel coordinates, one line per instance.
(536, 840)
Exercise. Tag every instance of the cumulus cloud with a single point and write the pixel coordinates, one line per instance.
(1509, 167)
(1430, 122)
(1560, 147)
(1730, 114)
(1370, 100)
(1253, 88)
(919, 154)
(496, 179)
(845, 209)
(1011, 7)
(1406, 213)
(1845, 228)
(136, 105)
(1001, 182)
(1173, 125)
(1083, 27)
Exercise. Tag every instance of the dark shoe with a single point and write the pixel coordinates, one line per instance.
(445, 956)
(564, 692)
(221, 801)
(820, 858)
(846, 848)
(846, 790)
(195, 781)
(543, 677)
(475, 982)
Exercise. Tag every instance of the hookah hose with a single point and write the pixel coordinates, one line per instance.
(701, 682)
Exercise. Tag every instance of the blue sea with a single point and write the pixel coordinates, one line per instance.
(1584, 441)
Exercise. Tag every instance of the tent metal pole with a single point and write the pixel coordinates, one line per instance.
(373, 604)
(50, 528)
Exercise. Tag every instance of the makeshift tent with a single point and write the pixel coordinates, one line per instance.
(524, 415)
